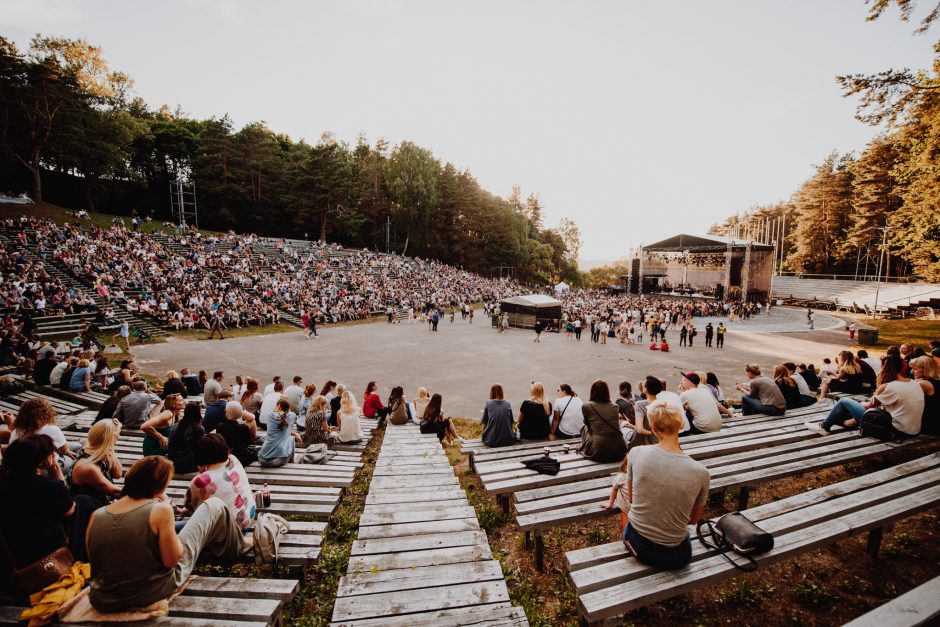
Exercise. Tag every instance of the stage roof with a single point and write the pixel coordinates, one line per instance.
(533, 300)
(701, 243)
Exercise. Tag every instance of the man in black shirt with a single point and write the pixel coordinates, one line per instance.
(43, 369)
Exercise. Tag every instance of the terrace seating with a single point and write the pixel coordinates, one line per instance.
(213, 602)
(920, 606)
(608, 582)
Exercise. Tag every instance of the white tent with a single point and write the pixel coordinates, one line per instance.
(562, 287)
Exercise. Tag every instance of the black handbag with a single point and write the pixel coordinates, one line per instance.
(876, 423)
(736, 532)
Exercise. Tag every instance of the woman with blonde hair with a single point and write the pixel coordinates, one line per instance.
(316, 430)
(420, 404)
(347, 420)
(535, 414)
(81, 377)
(926, 371)
(159, 428)
(97, 466)
(849, 377)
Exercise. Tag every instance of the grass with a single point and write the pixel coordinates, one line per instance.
(60, 215)
(897, 332)
(249, 331)
(313, 605)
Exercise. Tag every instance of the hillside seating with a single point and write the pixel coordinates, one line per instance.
(212, 602)
(60, 406)
(541, 509)
(920, 606)
(609, 583)
(504, 477)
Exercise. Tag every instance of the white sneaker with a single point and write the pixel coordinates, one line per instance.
(458, 439)
(815, 427)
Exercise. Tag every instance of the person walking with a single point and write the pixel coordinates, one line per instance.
(692, 333)
(216, 324)
(683, 334)
(577, 329)
(539, 327)
(709, 334)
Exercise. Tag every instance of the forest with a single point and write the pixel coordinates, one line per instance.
(835, 222)
(72, 133)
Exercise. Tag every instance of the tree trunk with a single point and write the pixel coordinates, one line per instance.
(37, 183)
(404, 250)
(323, 227)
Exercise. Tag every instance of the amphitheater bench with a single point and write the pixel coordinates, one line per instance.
(920, 606)
(504, 477)
(541, 509)
(61, 406)
(609, 583)
(88, 399)
(214, 602)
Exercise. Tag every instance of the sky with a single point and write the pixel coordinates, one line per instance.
(636, 119)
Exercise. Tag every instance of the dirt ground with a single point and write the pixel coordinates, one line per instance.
(828, 586)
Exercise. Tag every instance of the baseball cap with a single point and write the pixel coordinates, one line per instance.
(692, 376)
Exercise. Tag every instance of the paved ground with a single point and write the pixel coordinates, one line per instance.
(461, 361)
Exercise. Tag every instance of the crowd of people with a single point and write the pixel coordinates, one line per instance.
(190, 281)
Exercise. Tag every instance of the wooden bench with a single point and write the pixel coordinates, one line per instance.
(544, 508)
(87, 399)
(60, 406)
(214, 602)
(609, 583)
(507, 476)
(920, 606)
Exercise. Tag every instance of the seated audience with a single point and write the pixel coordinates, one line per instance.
(279, 441)
(295, 394)
(711, 382)
(37, 416)
(810, 376)
(806, 396)
(788, 387)
(212, 387)
(619, 494)
(269, 406)
(625, 402)
(81, 377)
(896, 394)
(134, 408)
(397, 406)
(215, 412)
(667, 492)
(43, 368)
(926, 371)
(497, 419)
(702, 410)
(159, 428)
(239, 431)
(849, 378)
(36, 509)
(335, 404)
(761, 395)
(251, 398)
(191, 383)
(433, 421)
(97, 465)
(601, 440)
(182, 443)
(310, 393)
(567, 419)
(535, 415)
(347, 420)
(222, 476)
(371, 403)
(173, 385)
(141, 524)
(420, 404)
(316, 429)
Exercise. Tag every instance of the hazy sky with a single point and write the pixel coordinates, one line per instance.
(637, 119)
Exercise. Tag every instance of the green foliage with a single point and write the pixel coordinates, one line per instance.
(490, 517)
(812, 595)
(598, 535)
(63, 112)
(744, 595)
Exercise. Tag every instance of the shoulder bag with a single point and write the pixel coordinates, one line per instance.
(737, 533)
(876, 423)
(41, 573)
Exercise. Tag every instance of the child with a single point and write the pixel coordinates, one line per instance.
(619, 495)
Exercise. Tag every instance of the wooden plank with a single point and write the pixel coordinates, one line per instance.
(920, 606)
(374, 582)
(489, 615)
(416, 543)
(421, 600)
(414, 559)
(413, 514)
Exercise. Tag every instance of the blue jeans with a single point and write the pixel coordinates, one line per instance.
(806, 400)
(658, 555)
(844, 410)
(751, 406)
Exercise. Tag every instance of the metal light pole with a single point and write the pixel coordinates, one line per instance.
(881, 257)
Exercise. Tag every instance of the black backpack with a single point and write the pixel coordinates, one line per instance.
(876, 423)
